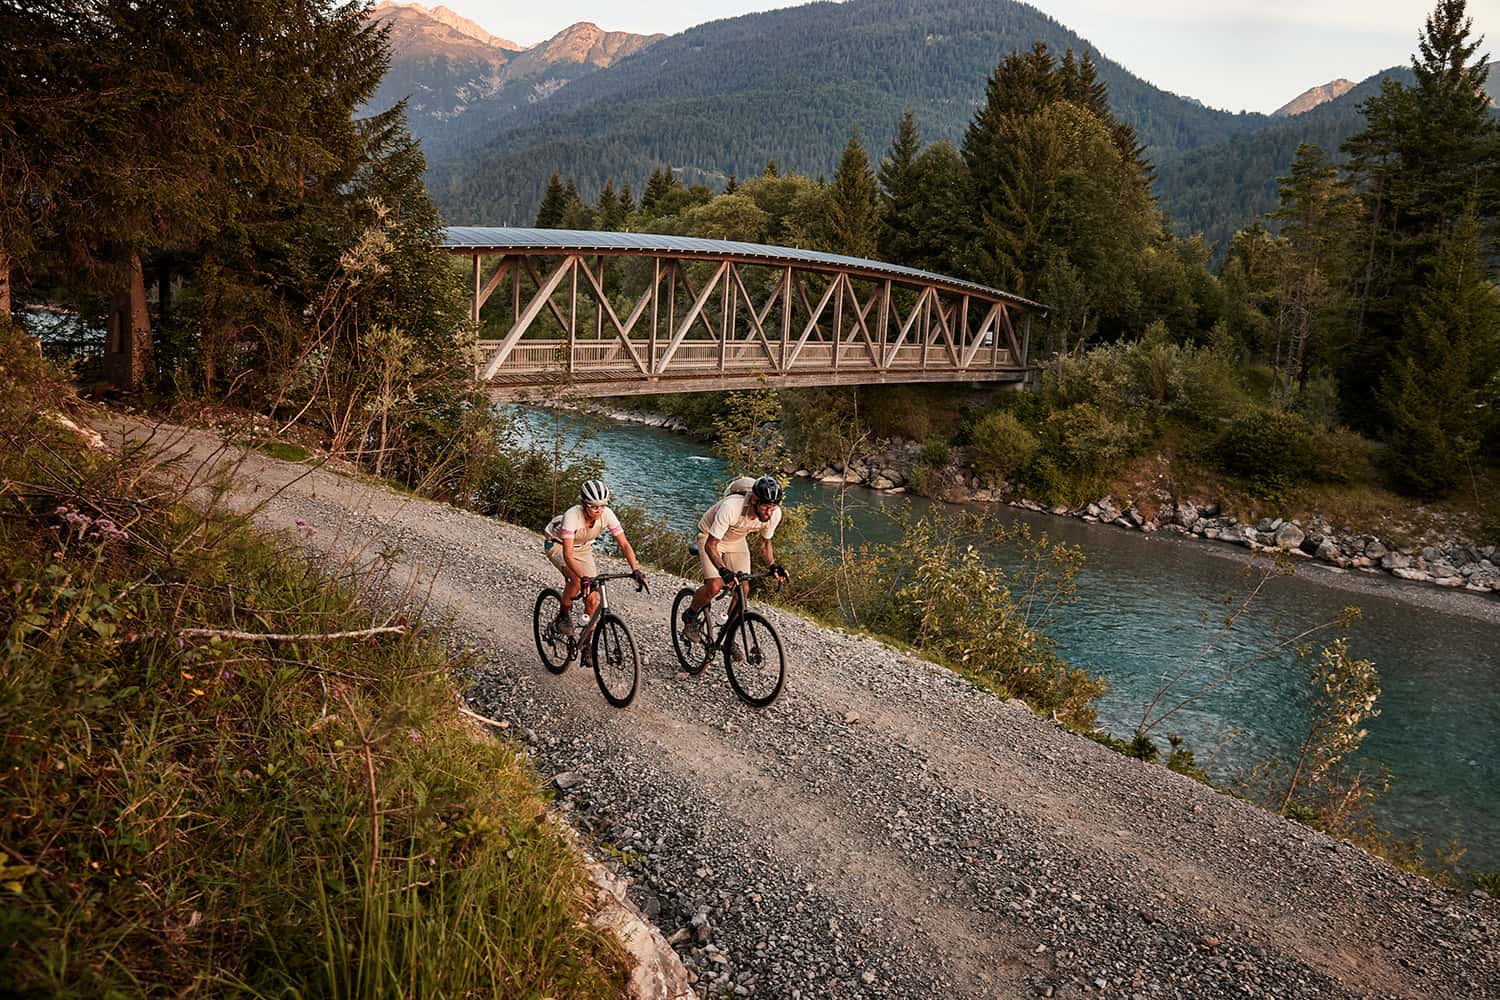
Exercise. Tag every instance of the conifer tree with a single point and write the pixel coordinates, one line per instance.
(732, 185)
(1442, 395)
(853, 220)
(900, 222)
(1317, 214)
(554, 205)
(658, 187)
(611, 217)
(1424, 153)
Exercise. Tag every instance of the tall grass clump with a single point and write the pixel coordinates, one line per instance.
(210, 790)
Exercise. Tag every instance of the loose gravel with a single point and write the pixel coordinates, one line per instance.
(885, 829)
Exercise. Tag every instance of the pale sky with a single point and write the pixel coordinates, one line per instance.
(1252, 55)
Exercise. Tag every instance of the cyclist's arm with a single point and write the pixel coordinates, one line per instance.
(711, 546)
(627, 551)
(767, 553)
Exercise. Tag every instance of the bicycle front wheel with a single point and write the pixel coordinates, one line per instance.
(617, 665)
(692, 656)
(754, 661)
(553, 645)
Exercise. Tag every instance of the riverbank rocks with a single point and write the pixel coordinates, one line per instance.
(1453, 563)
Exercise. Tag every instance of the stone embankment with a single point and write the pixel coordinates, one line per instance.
(1445, 562)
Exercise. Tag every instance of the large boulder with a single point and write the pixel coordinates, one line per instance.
(1288, 536)
(1394, 561)
(1375, 550)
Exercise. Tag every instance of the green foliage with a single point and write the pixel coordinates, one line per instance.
(937, 453)
(1082, 438)
(1344, 691)
(1181, 759)
(747, 432)
(820, 424)
(244, 818)
(1442, 397)
(986, 621)
(1002, 446)
(1272, 451)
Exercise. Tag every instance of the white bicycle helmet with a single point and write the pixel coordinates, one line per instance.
(593, 491)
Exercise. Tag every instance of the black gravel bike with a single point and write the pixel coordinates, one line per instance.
(750, 645)
(616, 662)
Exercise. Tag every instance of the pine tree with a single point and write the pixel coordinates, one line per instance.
(732, 185)
(576, 212)
(942, 207)
(770, 170)
(1441, 396)
(853, 216)
(900, 222)
(554, 205)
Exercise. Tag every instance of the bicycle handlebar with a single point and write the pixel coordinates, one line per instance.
(606, 577)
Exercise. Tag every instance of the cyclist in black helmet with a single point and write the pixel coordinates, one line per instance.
(724, 547)
(569, 544)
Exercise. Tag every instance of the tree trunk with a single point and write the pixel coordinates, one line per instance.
(128, 357)
(4, 285)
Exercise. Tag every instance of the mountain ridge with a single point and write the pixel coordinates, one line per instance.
(1314, 96)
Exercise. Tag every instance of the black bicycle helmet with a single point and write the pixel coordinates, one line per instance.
(767, 490)
(593, 491)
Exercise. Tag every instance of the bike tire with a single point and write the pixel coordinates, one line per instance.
(691, 656)
(759, 678)
(556, 651)
(617, 662)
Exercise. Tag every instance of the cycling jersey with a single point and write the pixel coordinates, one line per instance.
(573, 524)
(733, 518)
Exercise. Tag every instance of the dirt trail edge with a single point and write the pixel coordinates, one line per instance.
(885, 829)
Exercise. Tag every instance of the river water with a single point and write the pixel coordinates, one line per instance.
(1147, 604)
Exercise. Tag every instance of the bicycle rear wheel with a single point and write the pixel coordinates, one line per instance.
(553, 645)
(692, 656)
(754, 661)
(617, 665)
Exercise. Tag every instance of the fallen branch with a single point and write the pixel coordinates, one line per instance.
(222, 633)
(497, 723)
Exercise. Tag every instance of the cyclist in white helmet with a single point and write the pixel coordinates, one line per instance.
(724, 545)
(569, 543)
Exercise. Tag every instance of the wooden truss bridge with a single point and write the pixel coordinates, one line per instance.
(616, 314)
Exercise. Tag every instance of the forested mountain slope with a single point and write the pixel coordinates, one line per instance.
(786, 85)
(1217, 189)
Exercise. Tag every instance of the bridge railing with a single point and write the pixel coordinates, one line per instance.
(611, 357)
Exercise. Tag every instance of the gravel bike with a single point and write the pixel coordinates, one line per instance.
(750, 645)
(616, 662)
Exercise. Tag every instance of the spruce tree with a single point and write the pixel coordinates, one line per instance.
(658, 187)
(852, 224)
(1441, 396)
(554, 205)
(611, 216)
(900, 223)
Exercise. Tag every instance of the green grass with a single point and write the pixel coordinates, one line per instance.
(284, 451)
(244, 818)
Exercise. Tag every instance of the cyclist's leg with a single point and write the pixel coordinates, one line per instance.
(711, 581)
(570, 582)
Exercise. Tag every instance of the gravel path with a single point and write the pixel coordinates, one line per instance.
(887, 830)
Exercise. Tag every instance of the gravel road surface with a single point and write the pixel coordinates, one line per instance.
(885, 829)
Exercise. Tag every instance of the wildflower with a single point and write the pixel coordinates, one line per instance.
(415, 734)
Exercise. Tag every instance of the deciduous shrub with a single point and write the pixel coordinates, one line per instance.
(937, 453)
(1002, 446)
(1272, 451)
(1082, 438)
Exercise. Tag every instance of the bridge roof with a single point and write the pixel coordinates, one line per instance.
(510, 238)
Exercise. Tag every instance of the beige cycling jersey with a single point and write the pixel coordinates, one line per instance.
(733, 518)
(573, 524)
